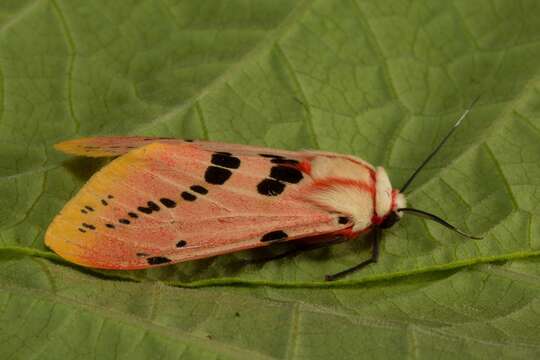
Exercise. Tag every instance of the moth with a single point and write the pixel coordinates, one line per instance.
(164, 201)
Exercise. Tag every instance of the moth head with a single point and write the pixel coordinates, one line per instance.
(394, 215)
(387, 201)
(390, 219)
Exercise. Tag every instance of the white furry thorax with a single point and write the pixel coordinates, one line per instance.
(350, 186)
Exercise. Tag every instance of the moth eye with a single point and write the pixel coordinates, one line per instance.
(343, 220)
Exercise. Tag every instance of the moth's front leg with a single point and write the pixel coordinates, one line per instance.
(375, 246)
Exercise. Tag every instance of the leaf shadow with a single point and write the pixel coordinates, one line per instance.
(84, 167)
(255, 259)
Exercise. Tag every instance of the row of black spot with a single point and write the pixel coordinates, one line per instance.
(150, 207)
(87, 208)
(219, 172)
(274, 236)
(278, 159)
(157, 260)
(216, 175)
(279, 175)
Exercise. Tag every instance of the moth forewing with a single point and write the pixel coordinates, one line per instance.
(169, 200)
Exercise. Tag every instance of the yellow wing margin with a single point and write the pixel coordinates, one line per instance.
(107, 146)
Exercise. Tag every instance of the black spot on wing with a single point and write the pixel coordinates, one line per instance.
(274, 236)
(286, 173)
(216, 175)
(156, 260)
(124, 221)
(110, 197)
(104, 202)
(89, 226)
(110, 226)
(168, 203)
(343, 220)
(150, 208)
(84, 211)
(132, 215)
(225, 160)
(270, 187)
(89, 208)
(199, 189)
(82, 230)
(272, 156)
(285, 161)
(181, 243)
(188, 196)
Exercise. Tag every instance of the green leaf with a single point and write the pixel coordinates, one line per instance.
(382, 80)
(480, 312)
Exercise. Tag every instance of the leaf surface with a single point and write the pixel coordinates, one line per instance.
(383, 80)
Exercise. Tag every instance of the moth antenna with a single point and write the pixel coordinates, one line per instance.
(465, 113)
(437, 219)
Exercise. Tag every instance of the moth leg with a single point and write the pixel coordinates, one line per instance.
(375, 245)
(301, 248)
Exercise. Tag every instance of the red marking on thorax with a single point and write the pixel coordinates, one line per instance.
(350, 234)
(350, 158)
(305, 167)
(333, 181)
(376, 220)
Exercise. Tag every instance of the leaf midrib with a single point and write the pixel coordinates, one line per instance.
(215, 345)
(234, 281)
